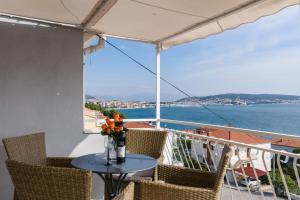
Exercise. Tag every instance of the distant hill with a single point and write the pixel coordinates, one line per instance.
(87, 97)
(252, 98)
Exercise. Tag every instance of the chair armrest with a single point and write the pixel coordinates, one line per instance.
(165, 191)
(127, 193)
(47, 182)
(185, 176)
(59, 161)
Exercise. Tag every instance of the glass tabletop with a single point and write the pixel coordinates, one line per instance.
(96, 163)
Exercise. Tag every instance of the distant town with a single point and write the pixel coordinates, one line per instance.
(222, 99)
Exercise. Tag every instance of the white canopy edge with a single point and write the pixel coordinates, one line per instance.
(103, 17)
(247, 13)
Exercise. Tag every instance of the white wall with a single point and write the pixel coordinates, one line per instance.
(41, 89)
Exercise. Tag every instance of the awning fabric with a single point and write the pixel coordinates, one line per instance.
(168, 22)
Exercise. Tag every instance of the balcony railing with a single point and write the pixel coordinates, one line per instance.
(256, 171)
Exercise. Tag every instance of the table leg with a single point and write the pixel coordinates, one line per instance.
(112, 187)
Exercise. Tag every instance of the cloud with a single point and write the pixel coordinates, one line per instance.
(271, 72)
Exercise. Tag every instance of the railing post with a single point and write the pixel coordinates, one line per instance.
(158, 49)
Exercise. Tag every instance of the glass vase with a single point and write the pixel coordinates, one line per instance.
(110, 152)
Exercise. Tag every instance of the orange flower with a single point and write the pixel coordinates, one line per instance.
(117, 129)
(108, 130)
(111, 124)
(107, 120)
(103, 126)
(116, 117)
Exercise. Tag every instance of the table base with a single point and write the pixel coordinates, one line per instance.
(112, 185)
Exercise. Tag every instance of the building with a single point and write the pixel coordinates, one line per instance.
(138, 125)
(285, 144)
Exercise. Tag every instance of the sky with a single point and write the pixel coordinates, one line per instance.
(261, 57)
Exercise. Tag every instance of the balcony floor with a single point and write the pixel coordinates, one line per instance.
(227, 194)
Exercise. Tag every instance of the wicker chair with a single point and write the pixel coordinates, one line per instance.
(36, 182)
(147, 142)
(127, 193)
(28, 153)
(180, 183)
(31, 149)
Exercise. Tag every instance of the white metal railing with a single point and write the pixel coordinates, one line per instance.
(203, 152)
(228, 128)
(98, 123)
(131, 120)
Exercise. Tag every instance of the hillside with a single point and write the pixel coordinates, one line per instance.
(87, 97)
(232, 98)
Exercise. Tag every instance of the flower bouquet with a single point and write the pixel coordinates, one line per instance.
(113, 129)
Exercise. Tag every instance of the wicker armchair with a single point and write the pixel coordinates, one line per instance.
(36, 182)
(31, 149)
(147, 142)
(186, 184)
(180, 183)
(127, 193)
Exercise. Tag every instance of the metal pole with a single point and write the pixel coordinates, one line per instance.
(158, 49)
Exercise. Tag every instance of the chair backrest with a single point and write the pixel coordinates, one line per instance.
(29, 149)
(148, 142)
(225, 158)
(34, 182)
(127, 193)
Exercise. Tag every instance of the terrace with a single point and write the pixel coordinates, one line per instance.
(41, 74)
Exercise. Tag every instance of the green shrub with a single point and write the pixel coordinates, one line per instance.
(278, 183)
(106, 112)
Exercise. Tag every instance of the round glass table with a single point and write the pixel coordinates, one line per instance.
(97, 164)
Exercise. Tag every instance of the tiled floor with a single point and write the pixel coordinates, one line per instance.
(227, 194)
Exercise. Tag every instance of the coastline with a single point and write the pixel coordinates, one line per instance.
(200, 105)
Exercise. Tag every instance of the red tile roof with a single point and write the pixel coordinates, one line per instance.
(233, 135)
(250, 172)
(286, 143)
(138, 125)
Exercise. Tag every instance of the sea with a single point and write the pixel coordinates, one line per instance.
(281, 118)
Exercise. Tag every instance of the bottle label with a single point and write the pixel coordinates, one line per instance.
(121, 152)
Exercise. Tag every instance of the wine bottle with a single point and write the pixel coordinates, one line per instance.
(121, 147)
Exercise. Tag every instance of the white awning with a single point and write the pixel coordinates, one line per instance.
(169, 22)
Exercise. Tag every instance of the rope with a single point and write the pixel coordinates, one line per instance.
(165, 80)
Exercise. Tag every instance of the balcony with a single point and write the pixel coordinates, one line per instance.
(42, 85)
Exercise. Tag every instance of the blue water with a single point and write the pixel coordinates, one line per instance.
(284, 118)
